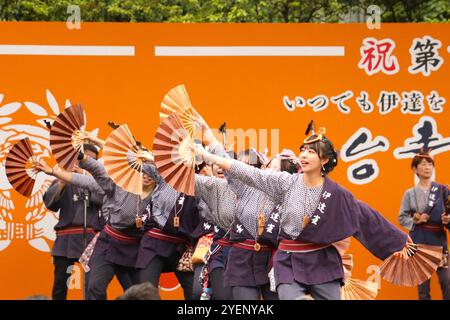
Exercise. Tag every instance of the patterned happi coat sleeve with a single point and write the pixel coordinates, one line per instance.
(274, 184)
(219, 198)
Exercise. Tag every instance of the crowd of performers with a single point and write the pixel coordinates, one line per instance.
(277, 227)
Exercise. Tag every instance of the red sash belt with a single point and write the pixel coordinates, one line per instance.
(158, 234)
(299, 246)
(250, 245)
(74, 230)
(431, 227)
(119, 236)
(224, 242)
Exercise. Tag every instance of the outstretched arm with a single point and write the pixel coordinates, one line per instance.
(84, 181)
(59, 173)
(208, 137)
(376, 233)
(98, 172)
(273, 183)
(219, 198)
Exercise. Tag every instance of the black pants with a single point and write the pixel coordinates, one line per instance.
(197, 288)
(60, 276)
(153, 271)
(297, 291)
(444, 281)
(102, 272)
(219, 291)
(254, 293)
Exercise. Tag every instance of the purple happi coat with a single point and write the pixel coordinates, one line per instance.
(435, 208)
(251, 268)
(190, 228)
(338, 215)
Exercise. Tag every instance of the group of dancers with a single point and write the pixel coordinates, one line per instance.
(277, 227)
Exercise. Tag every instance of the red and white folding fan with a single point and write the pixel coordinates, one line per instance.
(347, 263)
(174, 155)
(20, 167)
(65, 132)
(342, 246)
(177, 101)
(355, 289)
(411, 266)
(120, 157)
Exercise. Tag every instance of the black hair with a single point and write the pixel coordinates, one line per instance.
(289, 165)
(90, 147)
(199, 167)
(418, 159)
(325, 150)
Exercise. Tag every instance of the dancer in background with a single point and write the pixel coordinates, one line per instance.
(117, 247)
(205, 230)
(71, 238)
(423, 213)
(221, 201)
(172, 226)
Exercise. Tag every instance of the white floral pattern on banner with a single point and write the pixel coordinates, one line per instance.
(37, 226)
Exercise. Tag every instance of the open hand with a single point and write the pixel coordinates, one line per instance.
(43, 167)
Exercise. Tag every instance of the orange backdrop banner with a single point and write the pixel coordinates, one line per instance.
(381, 94)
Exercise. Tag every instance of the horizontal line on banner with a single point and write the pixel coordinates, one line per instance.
(242, 51)
(49, 50)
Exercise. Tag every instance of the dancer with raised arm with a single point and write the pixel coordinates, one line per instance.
(315, 213)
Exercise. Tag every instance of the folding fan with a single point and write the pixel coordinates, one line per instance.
(121, 160)
(342, 246)
(174, 155)
(347, 263)
(412, 266)
(65, 140)
(19, 167)
(355, 289)
(177, 101)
